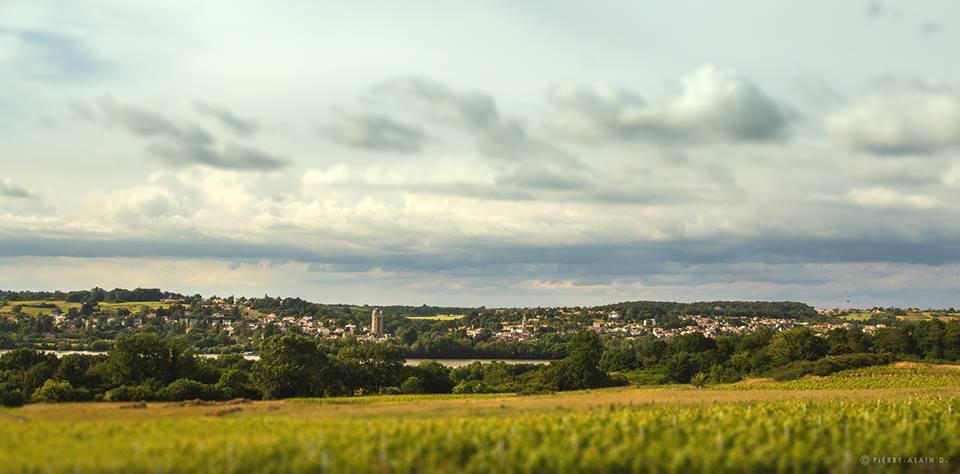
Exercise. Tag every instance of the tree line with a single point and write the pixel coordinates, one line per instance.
(145, 366)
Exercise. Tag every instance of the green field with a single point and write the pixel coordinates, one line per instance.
(34, 307)
(439, 317)
(668, 429)
(899, 375)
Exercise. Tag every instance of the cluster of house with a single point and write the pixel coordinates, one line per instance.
(710, 327)
(609, 323)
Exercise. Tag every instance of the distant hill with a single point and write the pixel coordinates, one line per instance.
(762, 309)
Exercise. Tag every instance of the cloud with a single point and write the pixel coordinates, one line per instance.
(900, 116)
(930, 28)
(876, 10)
(230, 157)
(373, 131)
(952, 177)
(710, 105)
(886, 198)
(497, 135)
(184, 247)
(239, 125)
(48, 55)
(176, 144)
(11, 190)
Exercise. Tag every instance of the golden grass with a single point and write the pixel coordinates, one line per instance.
(456, 406)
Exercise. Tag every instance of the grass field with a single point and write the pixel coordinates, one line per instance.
(34, 308)
(667, 429)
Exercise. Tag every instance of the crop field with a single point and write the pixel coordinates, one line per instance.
(34, 308)
(667, 429)
(899, 375)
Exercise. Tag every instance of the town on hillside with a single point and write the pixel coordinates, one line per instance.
(89, 319)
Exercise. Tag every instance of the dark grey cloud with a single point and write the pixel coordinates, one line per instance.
(374, 131)
(9, 189)
(184, 144)
(169, 247)
(241, 126)
(710, 105)
(229, 157)
(476, 256)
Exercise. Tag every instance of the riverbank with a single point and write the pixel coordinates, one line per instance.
(452, 363)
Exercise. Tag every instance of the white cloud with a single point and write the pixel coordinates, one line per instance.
(900, 116)
(952, 177)
(886, 198)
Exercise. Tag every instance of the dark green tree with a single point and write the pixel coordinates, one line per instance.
(293, 366)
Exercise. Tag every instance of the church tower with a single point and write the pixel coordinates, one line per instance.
(376, 323)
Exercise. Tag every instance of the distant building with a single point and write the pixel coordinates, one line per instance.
(376, 323)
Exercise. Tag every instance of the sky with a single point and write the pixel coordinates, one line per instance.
(497, 153)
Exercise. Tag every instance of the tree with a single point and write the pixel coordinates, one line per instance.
(371, 367)
(412, 385)
(73, 368)
(681, 366)
(143, 356)
(796, 344)
(951, 340)
(892, 340)
(581, 368)
(434, 377)
(236, 383)
(291, 365)
(928, 336)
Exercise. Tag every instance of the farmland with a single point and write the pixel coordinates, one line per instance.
(906, 316)
(439, 317)
(899, 375)
(667, 429)
(35, 307)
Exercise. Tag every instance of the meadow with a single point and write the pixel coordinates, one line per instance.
(665, 429)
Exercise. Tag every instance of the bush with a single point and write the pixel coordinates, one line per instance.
(469, 386)
(412, 385)
(641, 377)
(828, 365)
(186, 389)
(235, 383)
(54, 391)
(699, 380)
(10, 396)
(131, 393)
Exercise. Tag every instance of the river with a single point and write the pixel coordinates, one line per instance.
(446, 362)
